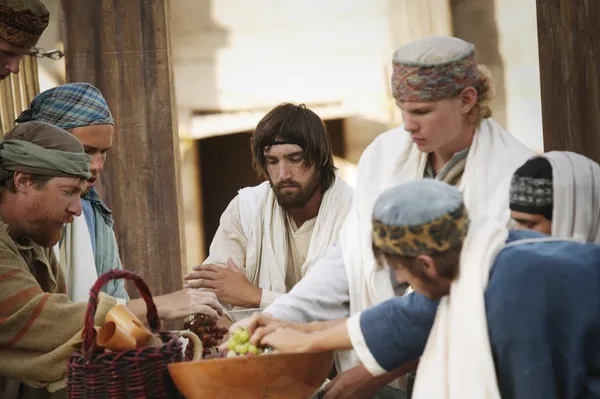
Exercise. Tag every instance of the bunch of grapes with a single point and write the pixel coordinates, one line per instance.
(239, 345)
(207, 330)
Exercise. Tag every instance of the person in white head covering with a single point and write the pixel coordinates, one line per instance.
(558, 193)
(447, 135)
(518, 312)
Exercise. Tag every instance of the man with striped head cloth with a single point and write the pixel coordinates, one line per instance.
(88, 247)
(81, 109)
(21, 25)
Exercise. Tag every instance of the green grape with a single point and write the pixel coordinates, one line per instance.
(236, 334)
(244, 336)
(242, 349)
(231, 353)
(252, 349)
(231, 344)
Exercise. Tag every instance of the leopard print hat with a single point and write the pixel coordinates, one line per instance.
(421, 217)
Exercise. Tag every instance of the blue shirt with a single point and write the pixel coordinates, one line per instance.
(543, 315)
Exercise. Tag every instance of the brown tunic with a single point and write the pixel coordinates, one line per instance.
(39, 325)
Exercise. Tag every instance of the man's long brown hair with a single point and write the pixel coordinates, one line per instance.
(295, 124)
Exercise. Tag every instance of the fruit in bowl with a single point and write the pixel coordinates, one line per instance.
(269, 375)
(239, 344)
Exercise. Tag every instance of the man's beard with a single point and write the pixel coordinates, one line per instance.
(298, 198)
(45, 229)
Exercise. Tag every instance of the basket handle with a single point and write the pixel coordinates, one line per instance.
(193, 338)
(89, 332)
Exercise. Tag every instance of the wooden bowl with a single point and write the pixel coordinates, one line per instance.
(282, 376)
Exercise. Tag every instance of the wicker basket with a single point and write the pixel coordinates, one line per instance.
(138, 373)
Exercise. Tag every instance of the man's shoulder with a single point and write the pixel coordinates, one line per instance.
(6, 242)
(388, 142)
(253, 191)
(538, 261)
(251, 198)
(10, 253)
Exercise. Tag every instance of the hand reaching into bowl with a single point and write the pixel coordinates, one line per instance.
(290, 337)
(286, 340)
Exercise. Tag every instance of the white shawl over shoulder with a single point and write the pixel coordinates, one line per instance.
(458, 355)
(264, 225)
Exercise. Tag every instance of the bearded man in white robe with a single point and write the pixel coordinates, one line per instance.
(270, 235)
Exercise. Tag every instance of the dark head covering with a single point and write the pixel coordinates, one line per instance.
(22, 22)
(531, 188)
(42, 149)
(421, 217)
(69, 106)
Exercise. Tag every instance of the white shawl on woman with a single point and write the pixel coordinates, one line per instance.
(576, 196)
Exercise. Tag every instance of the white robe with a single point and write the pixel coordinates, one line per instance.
(263, 223)
(76, 257)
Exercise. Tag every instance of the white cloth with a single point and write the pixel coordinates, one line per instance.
(264, 224)
(76, 257)
(576, 196)
(393, 159)
(458, 355)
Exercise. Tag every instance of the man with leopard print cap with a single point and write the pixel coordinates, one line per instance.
(504, 296)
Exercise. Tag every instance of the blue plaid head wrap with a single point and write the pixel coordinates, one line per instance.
(69, 106)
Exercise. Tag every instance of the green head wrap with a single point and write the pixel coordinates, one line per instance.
(42, 149)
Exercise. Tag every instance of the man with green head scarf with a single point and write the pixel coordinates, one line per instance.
(89, 240)
(43, 170)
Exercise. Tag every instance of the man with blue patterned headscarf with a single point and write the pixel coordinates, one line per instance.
(80, 109)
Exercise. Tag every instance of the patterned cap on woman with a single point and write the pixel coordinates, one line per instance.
(22, 22)
(421, 217)
(69, 106)
(531, 188)
(434, 68)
